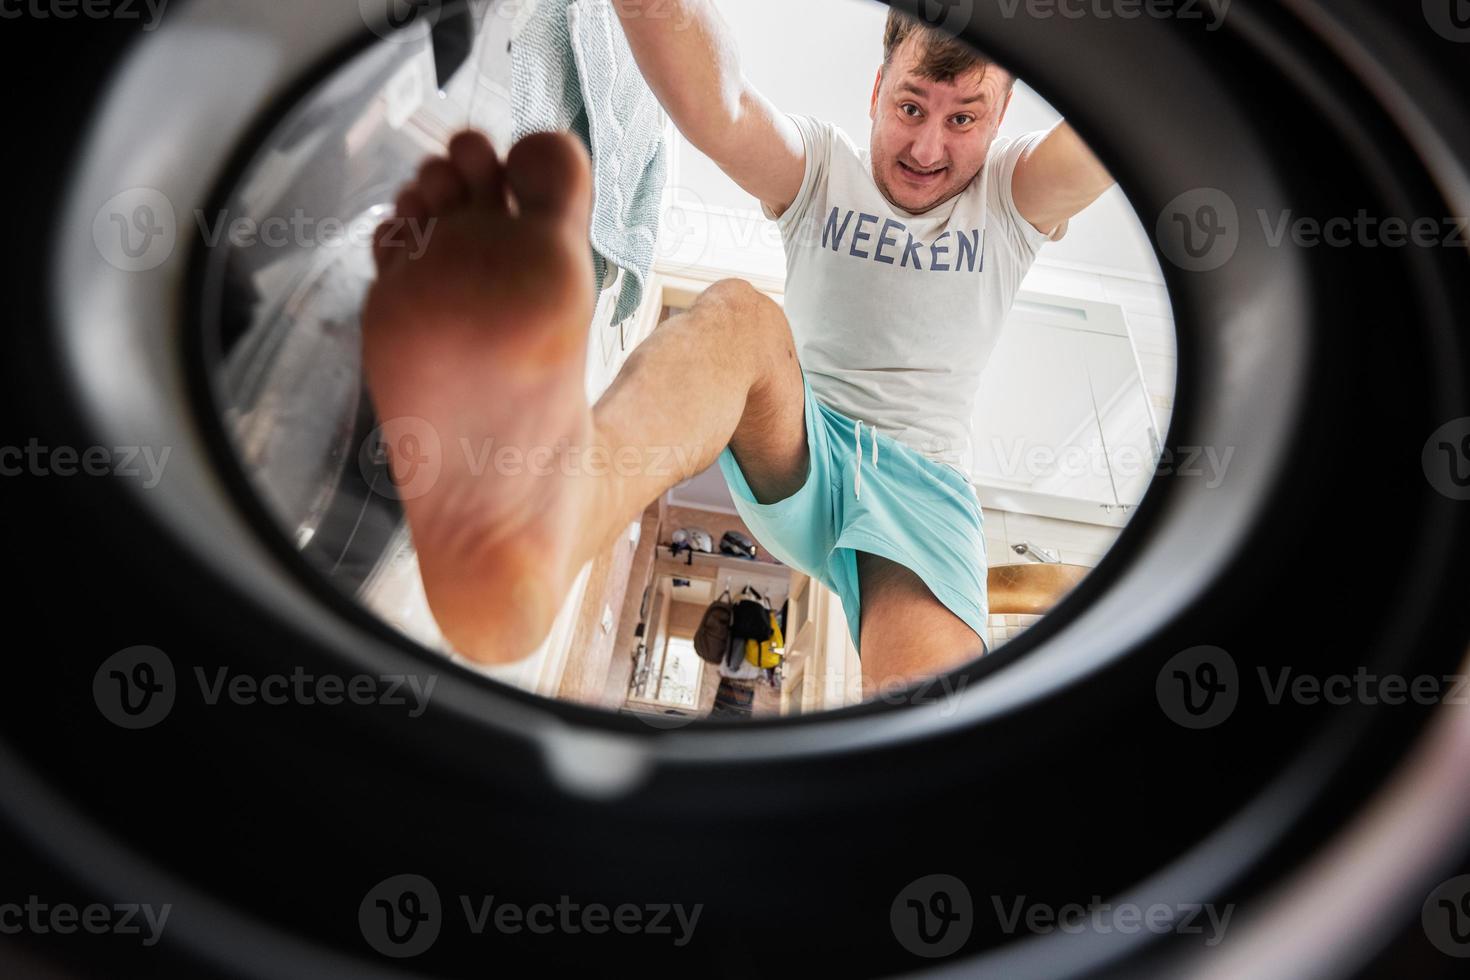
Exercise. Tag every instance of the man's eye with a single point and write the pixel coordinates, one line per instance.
(963, 120)
(908, 106)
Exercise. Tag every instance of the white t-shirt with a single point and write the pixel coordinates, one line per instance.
(895, 314)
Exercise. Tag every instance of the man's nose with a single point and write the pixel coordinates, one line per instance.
(928, 148)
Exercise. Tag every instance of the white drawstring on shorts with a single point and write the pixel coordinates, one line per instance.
(857, 486)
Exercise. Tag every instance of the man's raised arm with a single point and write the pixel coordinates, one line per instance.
(686, 53)
(1057, 179)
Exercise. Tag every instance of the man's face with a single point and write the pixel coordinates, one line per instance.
(930, 138)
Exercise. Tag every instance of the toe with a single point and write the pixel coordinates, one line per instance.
(410, 205)
(551, 174)
(441, 186)
(410, 212)
(479, 167)
(388, 243)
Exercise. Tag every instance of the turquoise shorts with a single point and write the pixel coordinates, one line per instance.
(899, 505)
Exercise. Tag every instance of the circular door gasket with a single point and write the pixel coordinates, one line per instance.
(1070, 770)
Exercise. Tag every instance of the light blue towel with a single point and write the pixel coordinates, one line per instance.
(572, 70)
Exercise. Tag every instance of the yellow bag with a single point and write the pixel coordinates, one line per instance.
(765, 655)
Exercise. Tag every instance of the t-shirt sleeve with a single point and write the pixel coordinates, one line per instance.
(816, 138)
(1004, 157)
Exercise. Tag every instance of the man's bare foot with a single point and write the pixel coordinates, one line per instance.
(475, 355)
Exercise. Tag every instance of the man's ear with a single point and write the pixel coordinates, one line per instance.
(877, 85)
(1010, 93)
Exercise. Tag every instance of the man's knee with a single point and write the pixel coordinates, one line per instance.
(754, 319)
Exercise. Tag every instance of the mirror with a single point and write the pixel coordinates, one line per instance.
(980, 439)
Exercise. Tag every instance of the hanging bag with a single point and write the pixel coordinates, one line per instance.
(752, 617)
(713, 638)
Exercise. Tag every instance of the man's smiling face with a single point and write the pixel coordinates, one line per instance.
(930, 137)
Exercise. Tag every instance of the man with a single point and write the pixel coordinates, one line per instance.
(843, 433)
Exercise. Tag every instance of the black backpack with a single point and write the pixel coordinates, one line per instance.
(752, 621)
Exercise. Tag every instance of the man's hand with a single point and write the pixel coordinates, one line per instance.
(1057, 178)
(685, 52)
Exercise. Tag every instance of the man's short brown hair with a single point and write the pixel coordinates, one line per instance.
(942, 58)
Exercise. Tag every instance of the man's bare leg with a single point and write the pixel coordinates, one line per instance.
(478, 346)
(907, 634)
